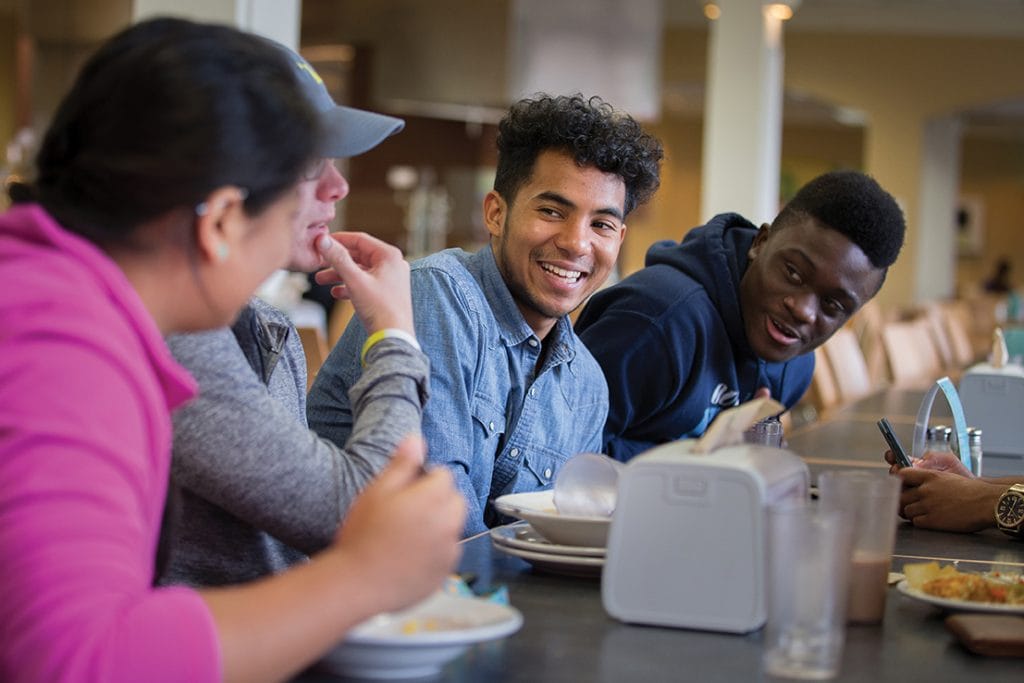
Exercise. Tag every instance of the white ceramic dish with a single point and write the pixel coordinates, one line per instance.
(538, 508)
(958, 605)
(567, 565)
(524, 537)
(419, 641)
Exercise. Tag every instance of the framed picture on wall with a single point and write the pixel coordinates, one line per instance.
(970, 225)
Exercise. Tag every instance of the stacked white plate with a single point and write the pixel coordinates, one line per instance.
(520, 540)
(561, 544)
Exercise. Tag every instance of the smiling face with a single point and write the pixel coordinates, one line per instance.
(320, 189)
(558, 239)
(803, 282)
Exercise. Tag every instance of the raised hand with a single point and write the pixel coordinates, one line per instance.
(372, 274)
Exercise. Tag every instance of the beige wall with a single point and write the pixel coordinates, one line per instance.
(899, 82)
(993, 171)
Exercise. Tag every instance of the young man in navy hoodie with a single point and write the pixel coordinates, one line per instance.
(733, 310)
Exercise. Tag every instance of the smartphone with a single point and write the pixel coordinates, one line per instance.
(894, 444)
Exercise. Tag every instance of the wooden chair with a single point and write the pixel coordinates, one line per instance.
(315, 347)
(913, 360)
(849, 368)
(338, 320)
(982, 315)
(823, 394)
(957, 319)
(932, 314)
(867, 326)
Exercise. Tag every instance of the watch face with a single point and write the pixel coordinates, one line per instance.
(1010, 511)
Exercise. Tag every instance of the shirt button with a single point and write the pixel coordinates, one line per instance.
(533, 342)
(514, 452)
(533, 392)
(547, 473)
(490, 425)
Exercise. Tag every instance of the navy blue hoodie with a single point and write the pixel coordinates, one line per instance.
(671, 341)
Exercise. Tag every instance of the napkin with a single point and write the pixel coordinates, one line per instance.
(1000, 356)
(456, 584)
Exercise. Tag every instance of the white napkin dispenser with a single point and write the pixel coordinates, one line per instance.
(687, 543)
(993, 401)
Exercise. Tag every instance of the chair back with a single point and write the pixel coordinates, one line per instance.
(867, 326)
(913, 360)
(956, 316)
(314, 345)
(849, 368)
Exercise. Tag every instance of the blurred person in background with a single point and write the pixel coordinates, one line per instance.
(999, 281)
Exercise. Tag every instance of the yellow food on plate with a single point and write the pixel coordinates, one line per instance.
(949, 583)
(432, 624)
(920, 573)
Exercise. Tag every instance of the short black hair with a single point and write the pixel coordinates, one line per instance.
(589, 130)
(854, 204)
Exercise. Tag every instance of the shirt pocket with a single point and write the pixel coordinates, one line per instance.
(540, 467)
(490, 421)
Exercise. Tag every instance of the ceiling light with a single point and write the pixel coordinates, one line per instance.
(779, 10)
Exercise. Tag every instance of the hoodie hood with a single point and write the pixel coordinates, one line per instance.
(714, 255)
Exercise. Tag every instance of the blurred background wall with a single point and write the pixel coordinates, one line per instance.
(926, 95)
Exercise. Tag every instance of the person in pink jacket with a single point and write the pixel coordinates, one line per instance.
(165, 194)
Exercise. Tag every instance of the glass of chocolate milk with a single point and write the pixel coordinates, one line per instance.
(872, 499)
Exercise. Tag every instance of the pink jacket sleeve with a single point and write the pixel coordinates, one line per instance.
(84, 457)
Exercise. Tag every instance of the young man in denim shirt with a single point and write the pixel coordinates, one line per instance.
(513, 391)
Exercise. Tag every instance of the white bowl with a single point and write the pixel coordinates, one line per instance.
(419, 641)
(538, 508)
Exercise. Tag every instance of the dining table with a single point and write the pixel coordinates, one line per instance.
(567, 636)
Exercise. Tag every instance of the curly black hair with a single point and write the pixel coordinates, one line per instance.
(854, 204)
(590, 130)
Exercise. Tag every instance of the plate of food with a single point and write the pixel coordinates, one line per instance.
(949, 588)
(538, 508)
(419, 641)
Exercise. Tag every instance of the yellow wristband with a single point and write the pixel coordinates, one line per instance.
(386, 333)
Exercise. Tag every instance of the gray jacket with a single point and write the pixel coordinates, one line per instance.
(259, 490)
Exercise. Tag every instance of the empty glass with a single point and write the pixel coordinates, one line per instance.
(808, 564)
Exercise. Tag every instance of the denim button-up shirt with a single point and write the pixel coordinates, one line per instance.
(505, 411)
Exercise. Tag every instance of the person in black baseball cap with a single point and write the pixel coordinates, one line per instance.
(259, 490)
(346, 131)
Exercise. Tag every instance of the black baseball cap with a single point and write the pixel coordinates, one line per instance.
(347, 131)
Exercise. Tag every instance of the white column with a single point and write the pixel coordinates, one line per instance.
(743, 113)
(275, 19)
(935, 256)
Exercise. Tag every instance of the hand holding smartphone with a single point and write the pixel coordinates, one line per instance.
(902, 460)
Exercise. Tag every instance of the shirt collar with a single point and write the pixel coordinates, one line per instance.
(513, 326)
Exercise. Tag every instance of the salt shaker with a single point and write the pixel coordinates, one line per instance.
(974, 439)
(943, 439)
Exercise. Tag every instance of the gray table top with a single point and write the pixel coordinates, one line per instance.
(567, 636)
